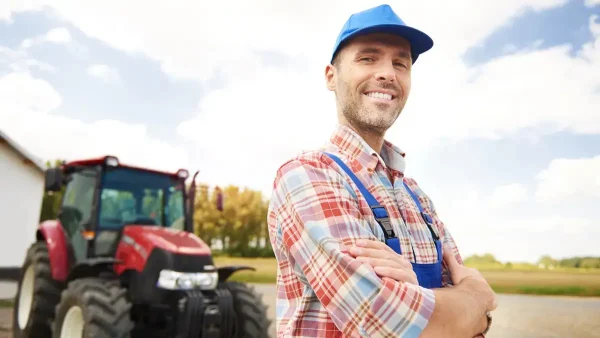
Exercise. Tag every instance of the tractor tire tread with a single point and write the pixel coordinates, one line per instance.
(46, 293)
(251, 311)
(105, 307)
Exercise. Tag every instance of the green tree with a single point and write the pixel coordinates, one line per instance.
(207, 219)
(240, 226)
(547, 262)
(485, 259)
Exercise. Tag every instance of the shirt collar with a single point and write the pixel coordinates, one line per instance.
(349, 143)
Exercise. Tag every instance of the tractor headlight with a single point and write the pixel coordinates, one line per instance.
(174, 280)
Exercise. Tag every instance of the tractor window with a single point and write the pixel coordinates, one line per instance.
(78, 200)
(174, 209)
(152, 203)
(132, 196)
(117, 207)
(77, 204)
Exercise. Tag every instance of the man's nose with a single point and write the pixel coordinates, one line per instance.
(385, 72)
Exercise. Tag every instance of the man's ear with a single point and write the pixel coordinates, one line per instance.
(330, 77)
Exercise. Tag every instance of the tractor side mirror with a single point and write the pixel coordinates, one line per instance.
(54, 179)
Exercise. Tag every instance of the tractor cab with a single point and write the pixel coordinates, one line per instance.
(101, 196)
(122, 260)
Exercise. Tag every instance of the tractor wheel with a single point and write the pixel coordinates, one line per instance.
(251, 319)
(37, 295)
(93, 307)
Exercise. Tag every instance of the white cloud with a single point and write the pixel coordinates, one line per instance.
(10, 7)
(20, 92)
(103, 72)
(521, 231)
(239, 135)
(263, 121)
(592, 3)
(543, 90)
(195, 37)
(28, 109)
(567, 179)
(508, 195)
(511, 216)
(494, 100)
(59, 35)
(19, 61)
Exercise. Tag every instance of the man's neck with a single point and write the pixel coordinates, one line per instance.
(374, 139)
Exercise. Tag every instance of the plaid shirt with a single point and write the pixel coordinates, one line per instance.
(316, 212)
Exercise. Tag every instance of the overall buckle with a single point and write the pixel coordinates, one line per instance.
(381, 216)
(429, 221)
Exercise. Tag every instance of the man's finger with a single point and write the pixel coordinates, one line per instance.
(396, 274)
(377, 245)
(381, 262)
(494, 304)
(373, 244)
(449, 257)
(378, 253)
(368, 252)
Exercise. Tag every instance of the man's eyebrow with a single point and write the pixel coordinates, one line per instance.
(404, 54)
(372, 50)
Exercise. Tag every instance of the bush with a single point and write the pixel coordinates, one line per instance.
(251, 252)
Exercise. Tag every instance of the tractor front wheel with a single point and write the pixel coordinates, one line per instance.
(93, 307)
(37, 295)
(251, 319)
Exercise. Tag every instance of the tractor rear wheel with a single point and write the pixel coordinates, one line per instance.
(93, 307)
(37, 295)
(251, 319)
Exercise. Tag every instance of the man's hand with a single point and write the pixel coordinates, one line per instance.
(385, 261)
(460, 273)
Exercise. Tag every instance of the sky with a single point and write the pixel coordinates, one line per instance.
(501, 129)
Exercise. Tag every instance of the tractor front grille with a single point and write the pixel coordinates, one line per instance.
(200, 316)
(191, 307)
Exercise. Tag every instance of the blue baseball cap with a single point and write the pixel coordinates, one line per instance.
(383, 19)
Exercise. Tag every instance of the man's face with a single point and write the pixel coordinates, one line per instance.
(371, 79)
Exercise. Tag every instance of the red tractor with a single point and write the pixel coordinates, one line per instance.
(122, 260)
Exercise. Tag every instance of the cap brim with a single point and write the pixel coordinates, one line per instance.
(419, 41)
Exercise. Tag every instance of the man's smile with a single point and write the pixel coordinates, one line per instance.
(381, 95)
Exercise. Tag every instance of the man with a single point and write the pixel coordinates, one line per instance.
(345, 222)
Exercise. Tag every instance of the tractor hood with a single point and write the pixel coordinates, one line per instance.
(172, 240)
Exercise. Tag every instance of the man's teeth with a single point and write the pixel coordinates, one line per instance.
(380, 95)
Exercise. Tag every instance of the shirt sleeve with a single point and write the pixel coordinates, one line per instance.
(319, 218)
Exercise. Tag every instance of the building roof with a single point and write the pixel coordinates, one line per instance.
(37, 163)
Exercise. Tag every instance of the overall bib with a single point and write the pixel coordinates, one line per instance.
(428, 275)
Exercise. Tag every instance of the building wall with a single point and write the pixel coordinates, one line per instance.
(21, 193)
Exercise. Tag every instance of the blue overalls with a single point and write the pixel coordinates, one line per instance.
(428, 275)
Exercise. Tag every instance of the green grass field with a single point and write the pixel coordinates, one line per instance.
(516, 280)
(266, 269)
(519, 280)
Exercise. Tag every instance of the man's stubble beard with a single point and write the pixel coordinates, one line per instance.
(366, 120)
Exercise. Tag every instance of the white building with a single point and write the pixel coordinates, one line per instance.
(21, 194)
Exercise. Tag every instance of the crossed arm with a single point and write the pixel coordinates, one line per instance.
(319, 221)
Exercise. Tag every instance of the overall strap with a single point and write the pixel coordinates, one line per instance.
(381, 215)
(425, 216)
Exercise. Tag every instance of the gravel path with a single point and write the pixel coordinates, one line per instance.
(517, 316)
(521, 316)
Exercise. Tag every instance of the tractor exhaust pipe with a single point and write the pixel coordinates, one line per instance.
(191, 204)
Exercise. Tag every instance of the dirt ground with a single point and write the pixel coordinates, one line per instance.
(5, 322)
